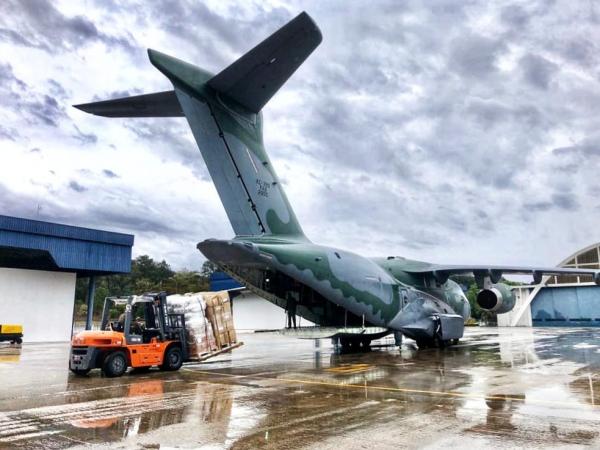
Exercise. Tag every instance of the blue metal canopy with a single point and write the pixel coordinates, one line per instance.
(220, 281)
(33, 244)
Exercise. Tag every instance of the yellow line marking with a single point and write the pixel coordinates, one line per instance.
(407, 390)
(350, 368)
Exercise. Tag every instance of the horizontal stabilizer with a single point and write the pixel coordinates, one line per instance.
(255, 77)
(160, 104)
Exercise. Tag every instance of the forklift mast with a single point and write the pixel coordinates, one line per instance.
(171, 326)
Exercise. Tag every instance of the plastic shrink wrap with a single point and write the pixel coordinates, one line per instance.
(208, 319)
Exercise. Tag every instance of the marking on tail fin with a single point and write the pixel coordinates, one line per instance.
(251, 160)
(237, 170)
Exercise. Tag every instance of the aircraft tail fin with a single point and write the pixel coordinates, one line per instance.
(223, 112)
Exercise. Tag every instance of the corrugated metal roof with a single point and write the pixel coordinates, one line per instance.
(30, 226)
(78, 249)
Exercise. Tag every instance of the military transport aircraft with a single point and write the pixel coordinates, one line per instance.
(270, 254)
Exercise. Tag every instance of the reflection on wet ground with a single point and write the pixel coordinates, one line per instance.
(503, 388)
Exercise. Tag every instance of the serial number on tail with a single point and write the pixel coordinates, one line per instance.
(263, 187)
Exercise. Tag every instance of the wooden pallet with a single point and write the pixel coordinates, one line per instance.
(225, 349)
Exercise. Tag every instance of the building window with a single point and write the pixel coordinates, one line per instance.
(589, 257)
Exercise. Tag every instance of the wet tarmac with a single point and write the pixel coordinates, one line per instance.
(499, 388)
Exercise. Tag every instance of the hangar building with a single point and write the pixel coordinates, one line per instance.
(566, 300)
(39, 264)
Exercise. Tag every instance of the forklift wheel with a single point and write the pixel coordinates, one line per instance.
(81, 372)
(115, 364)
(173, 359)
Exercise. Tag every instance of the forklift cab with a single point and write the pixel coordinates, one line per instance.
(145, 318)
(142, 320)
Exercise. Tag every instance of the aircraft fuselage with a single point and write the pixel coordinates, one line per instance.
(331, 286)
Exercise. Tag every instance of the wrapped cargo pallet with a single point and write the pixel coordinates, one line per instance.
(208, 319)
(200, 334)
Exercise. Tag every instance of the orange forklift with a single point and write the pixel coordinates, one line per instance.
(154, 338)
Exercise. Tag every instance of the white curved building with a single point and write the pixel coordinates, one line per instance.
(566, 300)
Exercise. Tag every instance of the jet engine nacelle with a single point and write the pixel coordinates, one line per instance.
(499, 299)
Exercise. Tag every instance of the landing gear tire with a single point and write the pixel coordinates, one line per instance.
(423, 343)
(173, 359)
(355, 345)
(114, 365)
(439, 343)
(346, 345)
(455, 341)
(81, 372)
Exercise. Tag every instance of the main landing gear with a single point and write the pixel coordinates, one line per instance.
(437, 341)
(356, 345)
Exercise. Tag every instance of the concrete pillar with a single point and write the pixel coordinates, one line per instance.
(90, 302)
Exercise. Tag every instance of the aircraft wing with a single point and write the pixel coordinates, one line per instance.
(441, 272)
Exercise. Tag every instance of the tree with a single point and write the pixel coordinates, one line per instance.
(208, 268)
(144, 267)
(186, 281)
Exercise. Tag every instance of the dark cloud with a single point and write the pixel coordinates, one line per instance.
(487, 112)
(581, 51)
(588, 148)
(33, 107)
(40, 24)
(47, 110)
(102, 214)
(537, 206)
(537, 71)
(57, 89)
(565, 200)
(514, 16)
(136, 220)
(9, 134)
(171, 139)
(109, 173)
(475, 55)
(75, 186)
(233, 30)
(84, 138)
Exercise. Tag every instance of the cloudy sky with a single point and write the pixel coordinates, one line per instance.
(455, 132)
